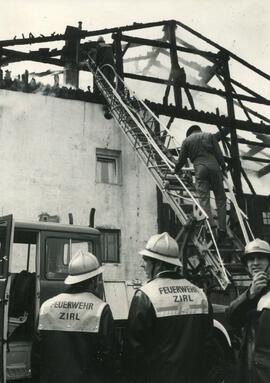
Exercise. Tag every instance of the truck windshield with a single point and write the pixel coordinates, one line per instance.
(59, 252)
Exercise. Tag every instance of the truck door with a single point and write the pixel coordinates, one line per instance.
(6, 238)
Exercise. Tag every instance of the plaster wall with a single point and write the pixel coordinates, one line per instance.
(48, 164)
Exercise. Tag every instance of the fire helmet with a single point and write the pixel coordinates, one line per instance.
(83, 266)
(257, 246)
(162, 247)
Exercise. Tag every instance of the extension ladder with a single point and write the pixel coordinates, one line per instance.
(154, 145)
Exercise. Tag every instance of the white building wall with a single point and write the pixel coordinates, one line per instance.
(48, 164)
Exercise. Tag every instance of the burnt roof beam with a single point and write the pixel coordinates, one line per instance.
(162, 44)
(256, 159)
(205, 117)
(80, 34)
(198, 88)
(175, 74)
(246, 89)
(13, 53)
(232, 55)
(261, 145)
(135, 26)
(265, 170)
(23, 56)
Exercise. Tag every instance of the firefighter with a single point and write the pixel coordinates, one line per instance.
(106, 63)
(105, 59)
(204, 152)
(169, 321)
(251, 312)
(75, 337)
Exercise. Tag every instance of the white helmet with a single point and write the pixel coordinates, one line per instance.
(162, 247)
(82, 266)
(257, 246)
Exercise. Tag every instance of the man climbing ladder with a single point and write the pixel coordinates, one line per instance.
(204, 152)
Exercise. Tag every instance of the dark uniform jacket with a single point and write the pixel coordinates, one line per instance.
(74, 342)
(202, 149)
(105, 61)
(168, 327)
(253, 315)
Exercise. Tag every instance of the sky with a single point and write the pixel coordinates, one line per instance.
(241, 26)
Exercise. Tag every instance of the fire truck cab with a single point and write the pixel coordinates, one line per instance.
(34, 260)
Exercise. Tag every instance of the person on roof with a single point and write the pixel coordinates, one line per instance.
(169, 320)
(251, 312)
(105, 62)
(105, 59)
(75, 338)
(204, 152)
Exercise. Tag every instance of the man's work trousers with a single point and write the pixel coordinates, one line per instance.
(211, 179)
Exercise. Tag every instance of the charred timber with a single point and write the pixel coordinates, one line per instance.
(217, 92)
(253, 143)
(79, 34)
(205, 117)
(265, 170)
(175, 69)
(232, 55)
(246, 89)
(161, 44)
(256, 159)
(33, 56)
(135, 26)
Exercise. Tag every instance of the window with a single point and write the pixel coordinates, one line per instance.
(23, 251)
(108, 166)
(110, 245)
(266, 217)
(59, 252)
(23, 257)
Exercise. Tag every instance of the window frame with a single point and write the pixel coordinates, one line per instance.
(29, 238)
(59, 276)
(103, 232)
(266, 217)
(113, 155)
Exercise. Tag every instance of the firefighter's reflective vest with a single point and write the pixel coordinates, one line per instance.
(171, 297)
(71, 312)
(264, 302)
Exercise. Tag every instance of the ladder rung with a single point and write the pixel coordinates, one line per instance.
(158, 166)
(141, 146)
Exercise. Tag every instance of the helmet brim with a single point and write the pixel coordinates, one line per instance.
(72, 279)
(257, 251)
(164, 258)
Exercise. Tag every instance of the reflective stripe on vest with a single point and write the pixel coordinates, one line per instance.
(264, 302)
(171, 297)
(71, 312)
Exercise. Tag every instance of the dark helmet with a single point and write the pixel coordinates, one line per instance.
(193, 129)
